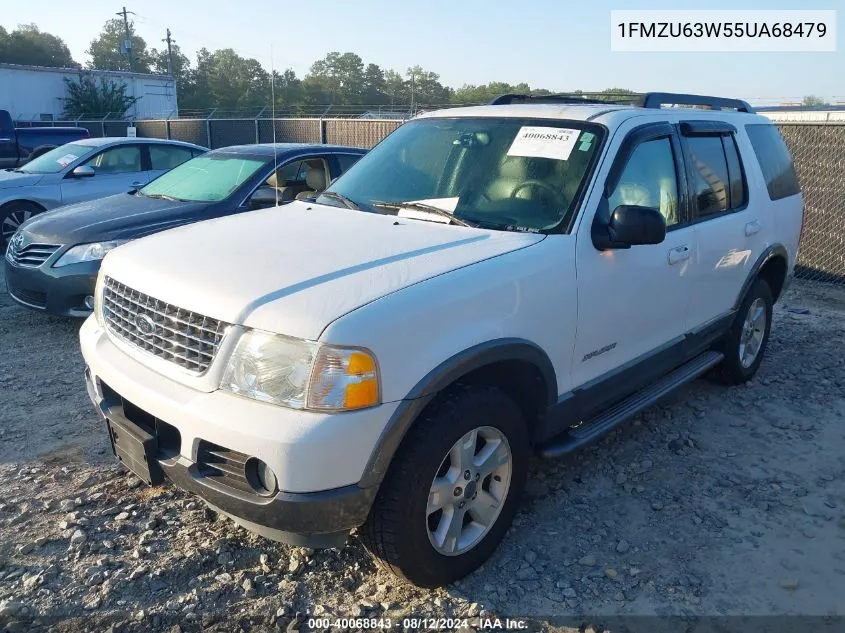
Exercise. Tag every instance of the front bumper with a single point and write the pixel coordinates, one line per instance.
(317, 459)
(60, 291)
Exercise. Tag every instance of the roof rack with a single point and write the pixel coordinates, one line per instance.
(658, 99)
(647, 100)
(507, 99)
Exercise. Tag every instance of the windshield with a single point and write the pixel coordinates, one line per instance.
(57, 159)
(206, 178)
(504, 173)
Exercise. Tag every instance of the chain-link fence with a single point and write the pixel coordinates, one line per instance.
(817, 148)
(818, 151)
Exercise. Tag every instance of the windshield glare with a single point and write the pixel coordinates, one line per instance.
(507, 173)
(206, 178)
(57, 159)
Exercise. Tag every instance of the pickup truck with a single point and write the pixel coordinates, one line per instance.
(20, 145)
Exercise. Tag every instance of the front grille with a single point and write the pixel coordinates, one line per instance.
(31, 255)
(180, 336)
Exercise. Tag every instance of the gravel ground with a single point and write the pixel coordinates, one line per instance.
(718, 501)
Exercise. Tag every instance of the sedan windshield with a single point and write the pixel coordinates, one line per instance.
(57, 159)
(501, 173)
(206, 178)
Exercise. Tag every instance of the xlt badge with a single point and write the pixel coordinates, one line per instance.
(596, 352)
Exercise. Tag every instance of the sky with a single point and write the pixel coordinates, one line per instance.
(561, 45)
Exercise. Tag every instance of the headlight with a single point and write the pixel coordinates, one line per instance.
(343, 378)
(87, 252)
(301, 374)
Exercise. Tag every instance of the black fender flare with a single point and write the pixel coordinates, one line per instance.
(504, 349)
(774, 250)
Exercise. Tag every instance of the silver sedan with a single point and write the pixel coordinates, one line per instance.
(84, 170)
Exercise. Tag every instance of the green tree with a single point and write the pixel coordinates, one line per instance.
(339, 77)
(86, 96)
(813, 100)
(224, 79)
(29, 45)
(105, 50)
(426, 87)
(394, 86)
(374, 85)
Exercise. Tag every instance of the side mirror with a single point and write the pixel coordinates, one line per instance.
(263, 198)
(630, 225)
(83, 171)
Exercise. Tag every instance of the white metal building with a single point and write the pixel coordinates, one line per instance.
(33, 93)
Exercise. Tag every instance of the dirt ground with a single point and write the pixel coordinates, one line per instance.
(719, 501)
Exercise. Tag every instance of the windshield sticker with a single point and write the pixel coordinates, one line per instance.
(67, 159)
(586, 142)
(544, 142)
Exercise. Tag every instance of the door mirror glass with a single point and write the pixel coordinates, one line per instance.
(83, 171)
(632, 225)
(263, 198)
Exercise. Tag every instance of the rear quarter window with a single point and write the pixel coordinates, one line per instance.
(774, 159)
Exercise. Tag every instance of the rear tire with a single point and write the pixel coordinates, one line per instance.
(432, 539)
(745, 343)
(12, 215)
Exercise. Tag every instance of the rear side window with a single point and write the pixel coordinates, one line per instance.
(168, 156)
(718, 183)
(775, 160)
(345, 161)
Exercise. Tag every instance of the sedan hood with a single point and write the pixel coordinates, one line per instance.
(122, 216)
(11, 179)
(295, 269)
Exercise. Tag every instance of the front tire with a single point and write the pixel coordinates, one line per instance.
(745, 343)
(453, 487)
(12, 215)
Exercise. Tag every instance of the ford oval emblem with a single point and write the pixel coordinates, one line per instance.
(144, 324)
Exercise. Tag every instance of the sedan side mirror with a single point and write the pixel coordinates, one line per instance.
(630, 225)
(83, 171)
(263, 198)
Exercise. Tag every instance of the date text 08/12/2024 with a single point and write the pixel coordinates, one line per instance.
(449, 624)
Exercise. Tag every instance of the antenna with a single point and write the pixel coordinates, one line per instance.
(273, 120)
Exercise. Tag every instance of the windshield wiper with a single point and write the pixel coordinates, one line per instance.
(426, 208)
(349, 204)
(161, 196)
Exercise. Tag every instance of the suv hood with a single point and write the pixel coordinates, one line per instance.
(295, 269)
(121, 216)
(10, 179)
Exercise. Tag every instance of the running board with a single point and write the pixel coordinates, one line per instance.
(589, 431)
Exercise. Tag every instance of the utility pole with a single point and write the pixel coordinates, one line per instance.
(169, 41)
(127, 44)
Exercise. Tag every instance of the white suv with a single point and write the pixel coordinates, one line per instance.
(487, 283)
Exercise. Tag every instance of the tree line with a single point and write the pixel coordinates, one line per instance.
(224, 79)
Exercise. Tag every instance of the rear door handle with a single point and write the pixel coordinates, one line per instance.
(752, 227)
(137, 184)
(678, 254)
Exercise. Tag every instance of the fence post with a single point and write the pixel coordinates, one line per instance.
(322, 131)
(208, 128)
(258, 116)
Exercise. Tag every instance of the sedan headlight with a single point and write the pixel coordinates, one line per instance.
(87, 252)
(301, 374)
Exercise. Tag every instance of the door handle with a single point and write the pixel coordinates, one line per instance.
(752, 227)
(137, 184)
(678, 254)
